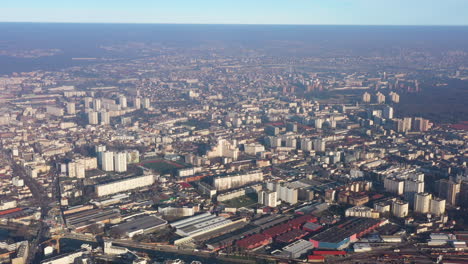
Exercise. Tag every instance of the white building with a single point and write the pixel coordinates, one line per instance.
(287, 193)
(123, 101)
(422, 202)
(274, 142)
(319, 144)
(55, 111)
(87, 102)
(137, 103)
(237, 180)
(318, 123)
(105, 118)
(400, 208)
(97, 104)
(394, 97)
(76, 169)
(253, 148)
(124, 185)
(107, 161)
(67, 258)
(383, 207)
(18, 182)
(306, 144)
(366, 97)
(268, 198)
(93, 118)
(298, 248)
(362, 211)
(388, 112)
(291, 142)
(120, 162)
(437, 206)
(413, 187)
(380, 98)
(199, 224)
(7, 204)
(146, 103)
(394, 185)
(71, 108)
(224, 148)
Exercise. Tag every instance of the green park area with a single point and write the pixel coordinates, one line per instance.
(243, 201)
(162, 166)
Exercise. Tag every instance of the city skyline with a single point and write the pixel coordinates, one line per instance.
(299, 12)
(234, 140)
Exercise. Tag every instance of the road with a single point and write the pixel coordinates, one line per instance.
(40, 199)
(378, 255)
(173, 249)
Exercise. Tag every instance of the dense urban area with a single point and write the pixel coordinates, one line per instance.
(212, 155)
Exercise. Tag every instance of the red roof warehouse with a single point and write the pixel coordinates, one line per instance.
(276, 230)
(254, 241)
(298, 222)
(291, 236)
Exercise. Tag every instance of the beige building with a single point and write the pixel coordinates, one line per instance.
(366, 97)
(422, 202)
(380, 98)
(394, 185)
(437, 206)
(362, 211)
(400, 208)
(93, 118)
(268, 198)
(124, 185)
(108, 161)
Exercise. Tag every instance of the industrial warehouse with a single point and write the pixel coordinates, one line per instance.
(340, 236)
(83, 219)
(139, 225)
(199, 224)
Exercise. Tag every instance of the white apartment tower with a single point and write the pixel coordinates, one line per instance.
(422, 202)
(107, 161)
(388, 112)
(71, 108)
(123, 101)
(380, 98)
(394, 97)
(400, 208)
(120, 162)
(137, 103)
(437, 206)
(366, 97)
(394, 185)
(93, 118)
(105, 118)
(146, 103)
(413, 187)
(319, 144)
(97, 104)
(268, 198)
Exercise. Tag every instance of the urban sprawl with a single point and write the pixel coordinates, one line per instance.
(226, 160)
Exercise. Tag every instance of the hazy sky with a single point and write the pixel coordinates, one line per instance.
(346, 12)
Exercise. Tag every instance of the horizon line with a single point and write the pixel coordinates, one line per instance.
(231, 24)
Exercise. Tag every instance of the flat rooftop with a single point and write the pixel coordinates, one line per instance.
(344, 230)
(139, 223)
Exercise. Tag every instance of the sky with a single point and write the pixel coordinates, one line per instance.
(313, 12)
